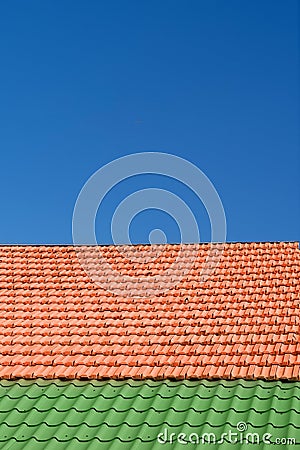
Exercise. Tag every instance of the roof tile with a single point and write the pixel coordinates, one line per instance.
(90, 414)
(241, 322)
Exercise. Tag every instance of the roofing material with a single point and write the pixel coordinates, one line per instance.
(243, 322)
(51, 414)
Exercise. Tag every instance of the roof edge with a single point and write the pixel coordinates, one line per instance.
(296, 243)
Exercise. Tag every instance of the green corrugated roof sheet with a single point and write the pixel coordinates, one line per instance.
(55, 414)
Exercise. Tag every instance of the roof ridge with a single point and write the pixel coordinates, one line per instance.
(295, 242)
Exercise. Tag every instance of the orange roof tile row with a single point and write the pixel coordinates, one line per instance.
(242, 322)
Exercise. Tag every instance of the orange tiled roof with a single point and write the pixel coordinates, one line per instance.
(243, 322)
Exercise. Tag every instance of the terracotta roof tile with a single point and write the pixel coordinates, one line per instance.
(241, 322)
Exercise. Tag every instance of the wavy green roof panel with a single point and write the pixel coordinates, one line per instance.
(148, 414)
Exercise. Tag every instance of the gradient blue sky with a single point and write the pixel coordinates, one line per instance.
(83, 83)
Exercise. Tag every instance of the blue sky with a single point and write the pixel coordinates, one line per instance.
(84, 83)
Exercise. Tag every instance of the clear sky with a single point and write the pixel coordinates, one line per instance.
(83, 83)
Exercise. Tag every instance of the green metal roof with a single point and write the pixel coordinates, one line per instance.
(55, 414)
